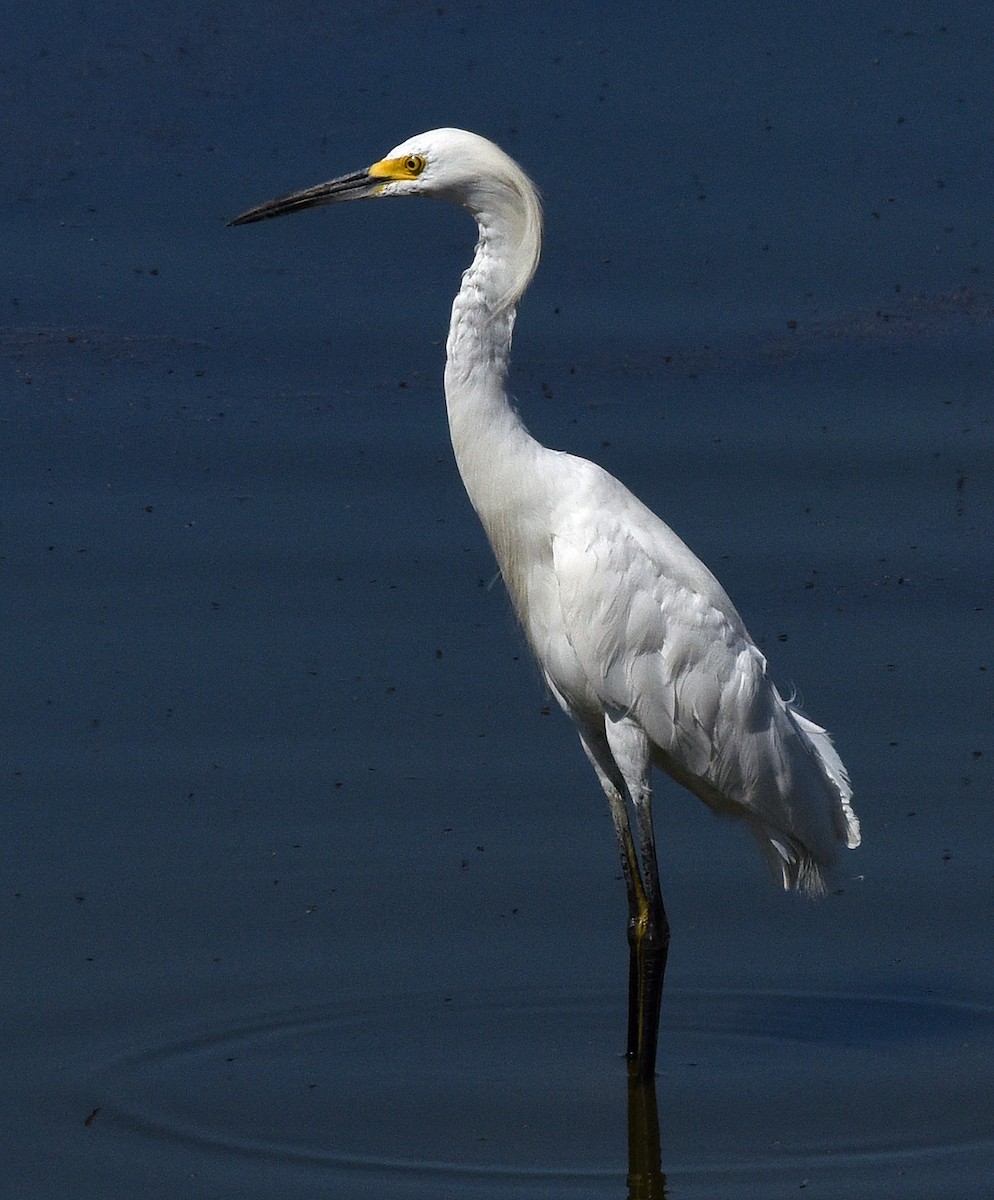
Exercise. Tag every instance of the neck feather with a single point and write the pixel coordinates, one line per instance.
(491, 445)
(509, 217)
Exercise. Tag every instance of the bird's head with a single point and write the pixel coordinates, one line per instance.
(452, 164)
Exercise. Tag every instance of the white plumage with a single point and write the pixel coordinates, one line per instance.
(637, 640)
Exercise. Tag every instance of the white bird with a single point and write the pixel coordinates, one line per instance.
(636, 638)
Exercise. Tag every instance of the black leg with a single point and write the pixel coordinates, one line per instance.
(646, 1180)
(649, 940)
(621, 759)
(652, 941)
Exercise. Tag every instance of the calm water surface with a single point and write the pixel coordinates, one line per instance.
(305, 891)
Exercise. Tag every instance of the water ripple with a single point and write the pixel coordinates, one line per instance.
(514, 1088)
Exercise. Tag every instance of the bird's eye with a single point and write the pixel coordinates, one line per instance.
(414, 164)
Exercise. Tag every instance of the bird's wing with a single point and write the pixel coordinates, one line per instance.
(648, 630)
(644, 629)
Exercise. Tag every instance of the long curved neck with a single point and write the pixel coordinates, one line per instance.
(478, 352)
(488, 437)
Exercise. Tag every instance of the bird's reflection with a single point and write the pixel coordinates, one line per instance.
(646, 1180)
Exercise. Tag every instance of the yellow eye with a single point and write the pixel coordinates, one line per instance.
(395, 169)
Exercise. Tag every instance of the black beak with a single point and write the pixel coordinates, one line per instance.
(347, 187)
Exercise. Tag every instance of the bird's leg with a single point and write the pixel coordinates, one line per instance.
(638, 909)
(650, 949)
(646, 1180)
(623, 767)
(648, 928)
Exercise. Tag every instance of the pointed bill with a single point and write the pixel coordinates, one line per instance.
(347, 187)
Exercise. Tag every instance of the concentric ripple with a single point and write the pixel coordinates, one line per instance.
(512, 1088)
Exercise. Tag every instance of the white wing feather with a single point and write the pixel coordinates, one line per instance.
(632, 622)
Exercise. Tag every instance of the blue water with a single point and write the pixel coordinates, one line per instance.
(273, 747)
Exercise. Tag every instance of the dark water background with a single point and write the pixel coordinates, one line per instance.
(304, 892)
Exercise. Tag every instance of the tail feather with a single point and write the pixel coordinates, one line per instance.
(789, 862)
(832, 766)
(799, 859)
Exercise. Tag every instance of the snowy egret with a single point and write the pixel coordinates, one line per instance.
(636, 638)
